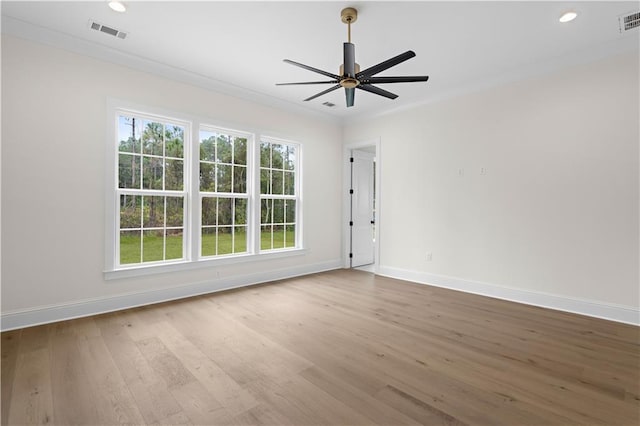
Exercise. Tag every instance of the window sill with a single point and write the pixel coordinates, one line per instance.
(142, 270)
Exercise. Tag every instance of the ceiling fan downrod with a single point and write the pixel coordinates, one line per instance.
(348, 16)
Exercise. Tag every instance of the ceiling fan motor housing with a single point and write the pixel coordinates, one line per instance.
(349, 82)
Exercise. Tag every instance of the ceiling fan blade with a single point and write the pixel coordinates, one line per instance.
(386, 64)
(349, 60)
(307, 67)
(351, 94)
(404, 79)
(377, 91)
(308, 82)
(324, 92)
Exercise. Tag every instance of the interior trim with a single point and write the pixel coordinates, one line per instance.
(591, 308)
(82, 308)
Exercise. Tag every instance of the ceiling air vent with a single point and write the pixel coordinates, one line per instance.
(629, 21)
(328, 104)
(107, 30)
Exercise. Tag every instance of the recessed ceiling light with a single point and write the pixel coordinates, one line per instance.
(568, 16)
(117, 6)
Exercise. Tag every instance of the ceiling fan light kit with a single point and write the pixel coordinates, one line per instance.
(350, 76)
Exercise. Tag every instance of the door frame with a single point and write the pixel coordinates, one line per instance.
(346, 200)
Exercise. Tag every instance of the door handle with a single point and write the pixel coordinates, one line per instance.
(373, 222)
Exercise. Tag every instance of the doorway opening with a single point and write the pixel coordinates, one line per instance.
(362, 181)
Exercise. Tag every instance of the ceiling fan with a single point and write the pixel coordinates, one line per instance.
(350, 77)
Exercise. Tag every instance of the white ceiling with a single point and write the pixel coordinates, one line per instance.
(238, 47)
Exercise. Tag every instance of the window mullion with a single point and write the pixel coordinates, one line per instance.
(192, 158)
(255, 201)
(142, 229)
(278, 197)
(164, 158)
(217, 228)
(233, 225)
(164, 226)
(151, 192)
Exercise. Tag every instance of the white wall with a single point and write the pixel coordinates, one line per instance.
(53, 183)
(556, 213)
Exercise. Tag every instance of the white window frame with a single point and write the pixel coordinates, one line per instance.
(192, 209)
(250, 165)
(297, 197)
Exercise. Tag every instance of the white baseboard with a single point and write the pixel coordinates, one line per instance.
(618, 313)
(46, 314)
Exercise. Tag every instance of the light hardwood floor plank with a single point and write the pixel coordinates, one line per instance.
(220, 385)
(115, 404)
(74, 400)
(32, 401)
(10, 346)
(336, 348)
(149, 390)
(376, 411)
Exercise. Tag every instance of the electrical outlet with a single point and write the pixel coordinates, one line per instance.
(483, 171)
(429, 256)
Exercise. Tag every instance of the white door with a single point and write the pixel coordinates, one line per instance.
(362, 208)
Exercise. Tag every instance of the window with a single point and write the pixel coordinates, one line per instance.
(181, 197)
(278, 195)
(223, 191)
(150, 190)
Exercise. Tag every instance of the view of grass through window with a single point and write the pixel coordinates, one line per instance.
(130, 245)
(150, 185)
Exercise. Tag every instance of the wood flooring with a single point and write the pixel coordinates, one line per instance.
(337, 348)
